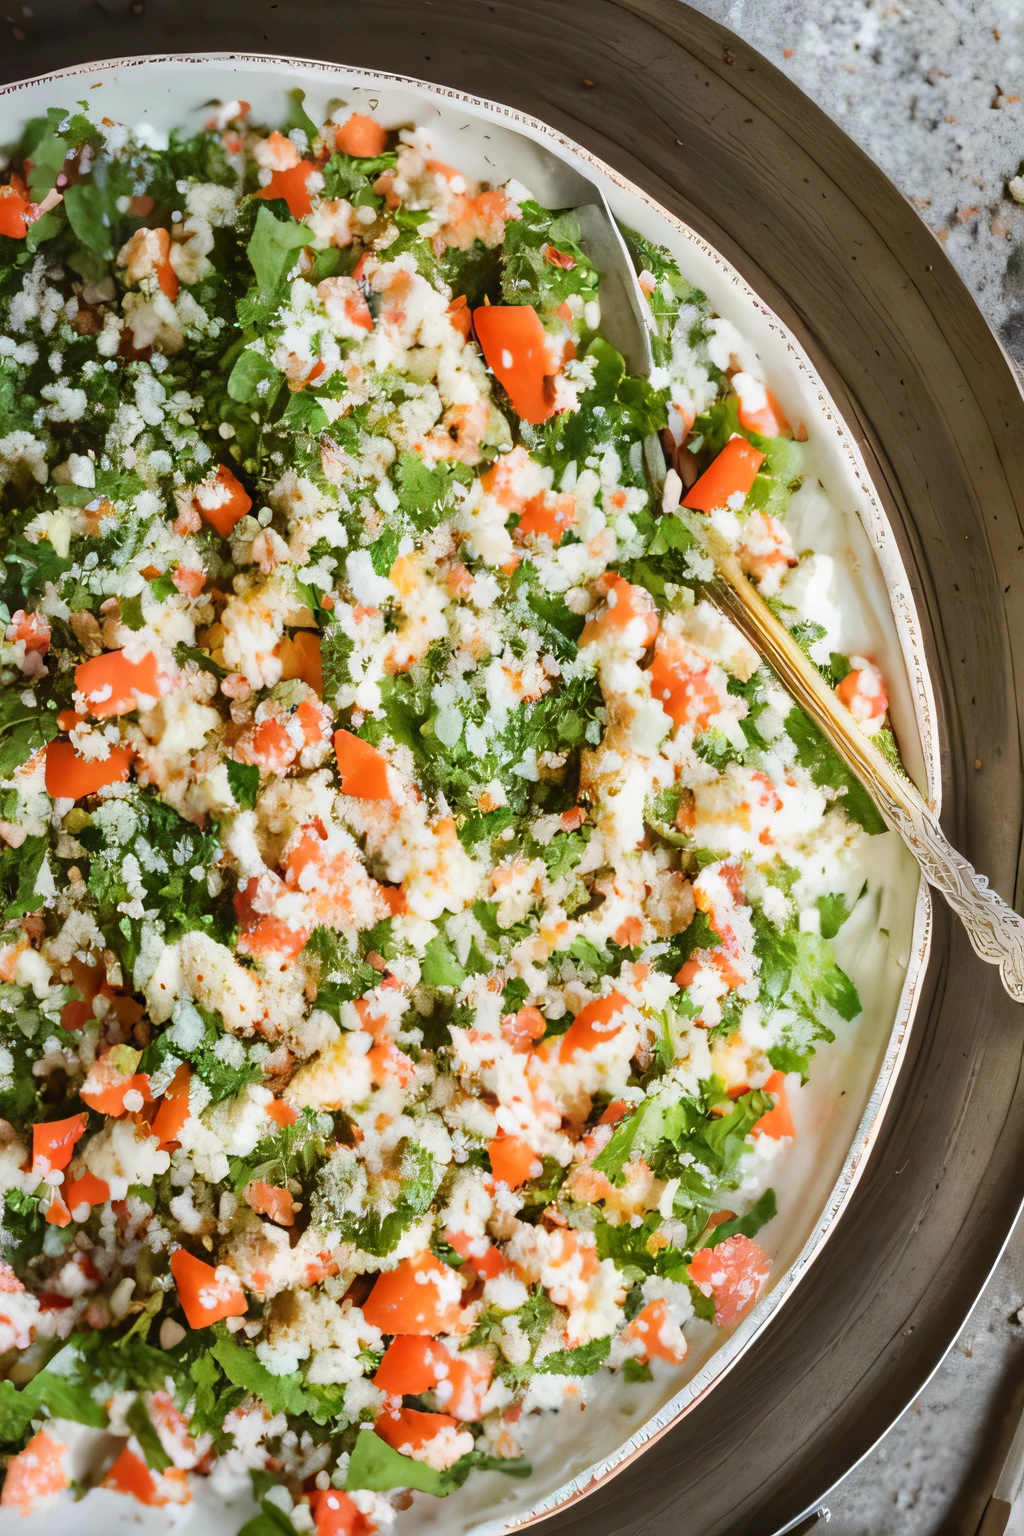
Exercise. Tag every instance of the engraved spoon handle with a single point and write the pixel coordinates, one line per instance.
(995, 930)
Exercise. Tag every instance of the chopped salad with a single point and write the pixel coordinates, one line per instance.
(417, 897)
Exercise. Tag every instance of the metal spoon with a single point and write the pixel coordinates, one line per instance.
(995, 930)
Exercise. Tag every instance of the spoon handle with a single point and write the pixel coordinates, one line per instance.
(995, 930)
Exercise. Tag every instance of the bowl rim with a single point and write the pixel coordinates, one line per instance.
(877, 527)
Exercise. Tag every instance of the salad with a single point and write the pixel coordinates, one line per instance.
(417, 897)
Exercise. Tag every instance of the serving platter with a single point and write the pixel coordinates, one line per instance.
(751, 1456)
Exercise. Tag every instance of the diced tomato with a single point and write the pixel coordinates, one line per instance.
(627, 615)
(270, 1200)
(778, 1122)
(300, 658)
(421, 1295)
(54, 1142)
(111, 684)
(729, 475)
(513, 342)
(222, 500)
(363, 770)
(598, 1020)
(188, 581)
(734, 1272)
(292, 186)
(206, 1295)
(462, 1390)
(36, 1473)
(548, 515)
(413, 1363)
(70, 777)
(85, 1189)
(173, 1112)
(361, 136)
(281, 1113)
(15, 214)
(757, 408)
(336, 1514)
(513, 1160)
(408, 1430)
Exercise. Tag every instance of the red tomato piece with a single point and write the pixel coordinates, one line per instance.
(514, 344)
(412, 1363)
(206, 1294)
(735, 1273)
(421, 1295)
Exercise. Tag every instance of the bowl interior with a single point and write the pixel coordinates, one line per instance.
(884, 945)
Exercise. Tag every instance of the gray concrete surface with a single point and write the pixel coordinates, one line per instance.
(934, 91)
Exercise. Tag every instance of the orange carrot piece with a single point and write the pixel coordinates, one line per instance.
(206, 1295)
(281, 1113)
(300, 658)
(130, 1475)
(513, 342)
(361, 136)
(85, 1189)
(270, 1200)
(598, 1020)
(292, 186)
(548, 514)
(513, 1160)
(778, 1122)
(222, 500)
(54, 1141)
(336, 1514)
(111, 683)
(402, 1303)
(173, 1112)
(626, 608)
(15, 214)
(36, 1473)
(461, 316)
(412, 1363)
(363, 770)
(731, 474)
(409, 1429)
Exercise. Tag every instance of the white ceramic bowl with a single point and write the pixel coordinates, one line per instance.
(885, 944)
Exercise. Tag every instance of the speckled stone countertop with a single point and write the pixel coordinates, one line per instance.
(932, 90)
